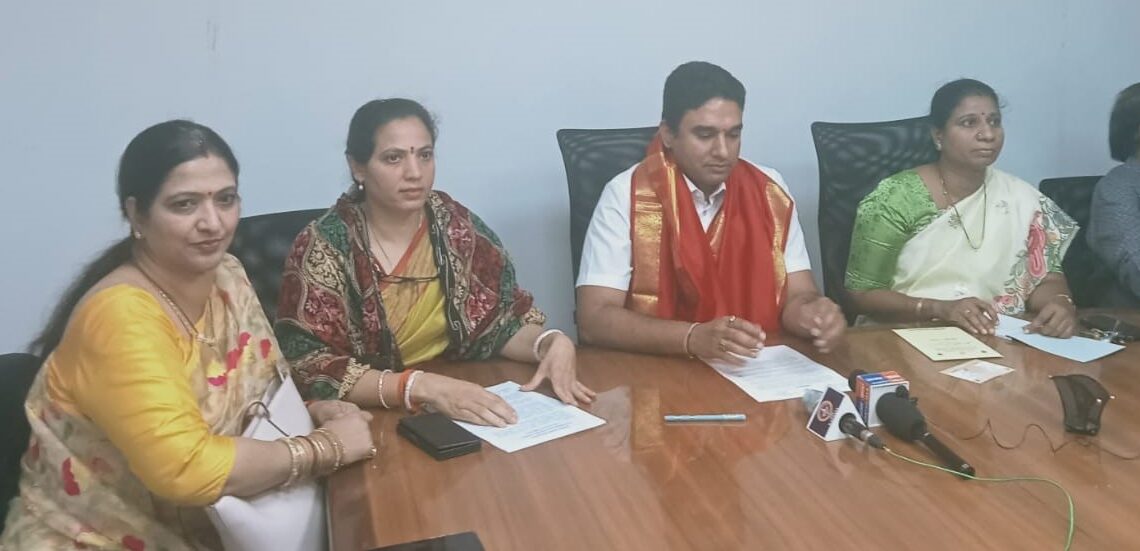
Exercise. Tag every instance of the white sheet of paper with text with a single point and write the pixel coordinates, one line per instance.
(541, 419)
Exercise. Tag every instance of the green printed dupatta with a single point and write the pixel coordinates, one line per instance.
(331, 320)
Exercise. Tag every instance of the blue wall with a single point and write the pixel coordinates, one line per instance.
(280, 80)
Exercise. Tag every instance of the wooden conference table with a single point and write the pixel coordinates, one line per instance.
(636, 483)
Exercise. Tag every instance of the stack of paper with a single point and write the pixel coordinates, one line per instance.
(1080, 349)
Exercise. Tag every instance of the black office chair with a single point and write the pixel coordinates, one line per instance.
(1089, 278)
(853, 159)
(17, 371)
(261, 243)
(593, 158)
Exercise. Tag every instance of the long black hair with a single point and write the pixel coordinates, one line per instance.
(143, 168)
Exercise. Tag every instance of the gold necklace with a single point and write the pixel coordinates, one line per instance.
(372, 232)
(181, 314)
(958, 215)
(376, 237)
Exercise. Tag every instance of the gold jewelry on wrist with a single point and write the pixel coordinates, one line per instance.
(294, 462)
(317, 453)
(689, 334)
(918, 309)
(323, 462)
(337, 446)
(1067, 298)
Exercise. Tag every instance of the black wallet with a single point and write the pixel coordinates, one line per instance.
(437, 435)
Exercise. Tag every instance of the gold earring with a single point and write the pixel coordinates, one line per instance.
(136, 234)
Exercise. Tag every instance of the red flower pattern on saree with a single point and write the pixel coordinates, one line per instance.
(133, 543)
(1035, 247)
(70, 485)
(233, 357)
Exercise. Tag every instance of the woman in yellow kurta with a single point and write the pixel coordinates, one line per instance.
(151, 359)
(397, 273)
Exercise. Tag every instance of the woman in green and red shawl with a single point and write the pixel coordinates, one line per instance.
(396, 274)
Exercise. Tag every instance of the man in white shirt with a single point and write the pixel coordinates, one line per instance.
(694, 250)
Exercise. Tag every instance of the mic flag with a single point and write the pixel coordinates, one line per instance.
(825, 416)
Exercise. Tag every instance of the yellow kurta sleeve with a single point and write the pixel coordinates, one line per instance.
(123, 365)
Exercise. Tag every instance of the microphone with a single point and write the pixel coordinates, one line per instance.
(848, 424)
(867, 388)
(902, 418)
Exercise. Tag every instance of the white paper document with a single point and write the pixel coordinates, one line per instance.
(1080, 349)
(977, 371)
(541, 419)
(779, 373)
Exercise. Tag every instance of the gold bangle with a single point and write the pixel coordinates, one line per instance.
(330, 464)
(306, 462)
(918, 309)
(689, 334)
(337, 446)
(321, 446)
(1068, 298)
(311, 454)
(294, 462)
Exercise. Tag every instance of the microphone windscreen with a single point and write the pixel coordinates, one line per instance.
(901, 417)
(811, 399)
(854, 375)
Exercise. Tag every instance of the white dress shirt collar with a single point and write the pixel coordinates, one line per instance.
(707, 206)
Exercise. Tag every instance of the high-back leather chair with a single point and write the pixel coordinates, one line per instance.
(1089, 278)
(17, 371)
(853, 159)
(593, 158)
(261, 243)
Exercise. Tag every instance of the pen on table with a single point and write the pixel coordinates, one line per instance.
(705, 418)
